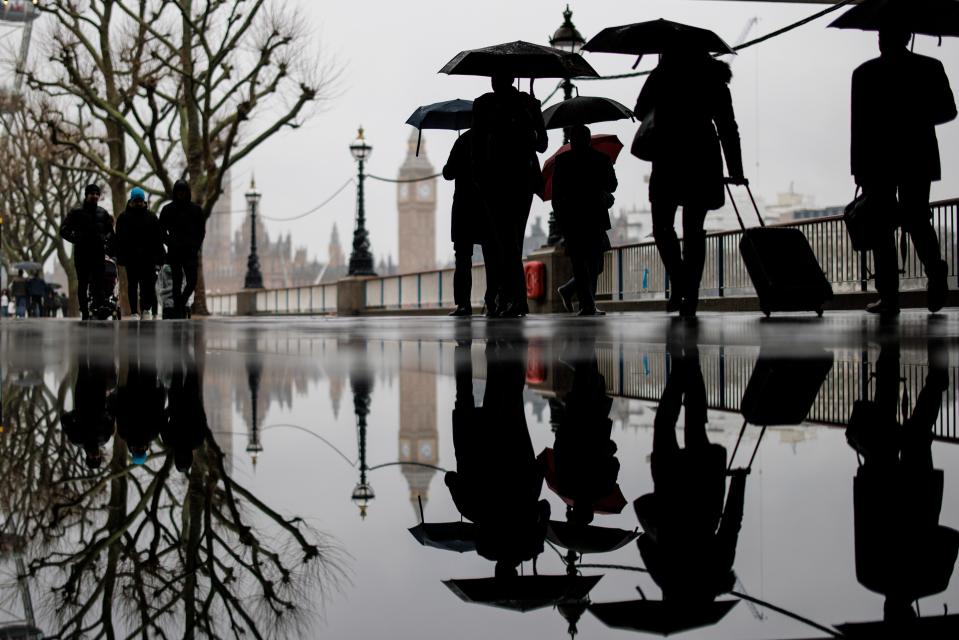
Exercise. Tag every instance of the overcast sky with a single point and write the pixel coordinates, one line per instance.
(791, 97)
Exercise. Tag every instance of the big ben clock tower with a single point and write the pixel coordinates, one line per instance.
(416, 204)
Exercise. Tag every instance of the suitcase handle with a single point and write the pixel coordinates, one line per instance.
(762, 223)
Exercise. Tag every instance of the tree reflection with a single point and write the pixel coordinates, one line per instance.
(147, 550)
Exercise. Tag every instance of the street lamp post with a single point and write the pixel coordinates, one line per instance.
(362, 384)
(569, 39)
(254, 278)
(361, 258)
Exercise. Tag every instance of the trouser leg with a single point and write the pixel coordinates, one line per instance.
(522, 203)
(176, 274)
(463, 275)
(133, 284)
(886, 254)
(83, 288)
(582, 277)
(97, 275)
(917, 222)
(491, 262)
(664, 233)
(190, 275)
(147, 278)
(694, 250)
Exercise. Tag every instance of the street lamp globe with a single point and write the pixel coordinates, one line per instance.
(362, 496)
(360, 149)
(253, 196)
(567, 37)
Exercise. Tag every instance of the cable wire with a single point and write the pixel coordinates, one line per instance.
(405, 180)
(751, 43)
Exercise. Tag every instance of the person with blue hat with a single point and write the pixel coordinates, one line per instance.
(140, 251)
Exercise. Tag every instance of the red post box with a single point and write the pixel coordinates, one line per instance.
(535, 280)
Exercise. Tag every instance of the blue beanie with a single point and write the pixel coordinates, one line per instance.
(138, 194)
(139, 458)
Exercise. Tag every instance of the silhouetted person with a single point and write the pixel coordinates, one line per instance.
(689, 539)
(587, 470)
(897, 101)
(508, 133)
(90, 424)
(469, 226)
(583, 184)
(18, 289)
(186, 426)
(140, 250)
(902, 552)
(140, 409)
(497, 482)
(36, 288)
(184, 228)
(688, 94)
(90, 228)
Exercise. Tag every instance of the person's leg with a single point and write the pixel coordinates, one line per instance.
(83, 288)
(886, 259)
(664, 233)
(21, 306)
(694, 400)
(463, 275)
(176, 273)
(97, 275)
(694, 255)
(582, 278)
(491, 262)
(917, 222)
(133, 284)
(148, 297)
(190, 275)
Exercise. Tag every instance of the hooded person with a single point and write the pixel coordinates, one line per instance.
(139, 250)
(90, 425)
(183, 226)
(90, 229)
(140, 410)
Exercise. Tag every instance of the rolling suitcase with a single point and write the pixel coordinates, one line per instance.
(782, 390)
(782, 266)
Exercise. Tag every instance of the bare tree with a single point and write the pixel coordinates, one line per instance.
(41, 181)
(182, 88)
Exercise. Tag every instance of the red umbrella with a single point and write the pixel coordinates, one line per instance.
(604, 142)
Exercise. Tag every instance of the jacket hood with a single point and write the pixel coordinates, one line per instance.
(182, 185)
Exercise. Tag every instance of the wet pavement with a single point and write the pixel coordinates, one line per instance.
(630, 476)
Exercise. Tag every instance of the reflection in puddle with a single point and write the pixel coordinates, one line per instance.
(226, 480)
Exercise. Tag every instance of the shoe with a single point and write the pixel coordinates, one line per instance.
(512, 311)
(591, 312)
(147, 315)
(567, 299)
(880, 308)
(688, 308)
(461, 312)
(937, 291)
(492, 313)
(674, 304)
(84, 317)
(133, 316)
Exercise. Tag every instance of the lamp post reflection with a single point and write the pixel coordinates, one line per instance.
(361, 382)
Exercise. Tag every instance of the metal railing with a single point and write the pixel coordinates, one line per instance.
(425, 290)
(635, 272)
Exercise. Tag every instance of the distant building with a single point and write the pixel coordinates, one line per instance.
(224, 261)
(630, 226)
(416, 209)
(534, 240)
(336, 267)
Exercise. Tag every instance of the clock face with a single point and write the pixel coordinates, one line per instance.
(404, 191)
(426, 450)
(424, 190)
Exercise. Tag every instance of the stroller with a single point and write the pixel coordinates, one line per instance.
(110, 308)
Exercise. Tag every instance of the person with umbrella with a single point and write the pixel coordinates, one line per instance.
(183, 226)
(497, 482)
(18, 289)
(469, 226)
(90, 228)
(139, 250)
(36, 289)
(902, 552)
(689, 540)
(684, 104)
(583, 184)
(508, 133)
(897, 101)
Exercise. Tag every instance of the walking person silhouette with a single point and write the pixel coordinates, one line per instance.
(583, 186)
(897, 101)
(687, 96)
(508, 133)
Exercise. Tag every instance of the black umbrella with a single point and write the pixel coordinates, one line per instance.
(584, 110)
(451, 115)
(26, 266)
(588, 539)
(520, 60)
(655, 36)
(522, 593)
(928, 17)
(448, 536)
(659, 616)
